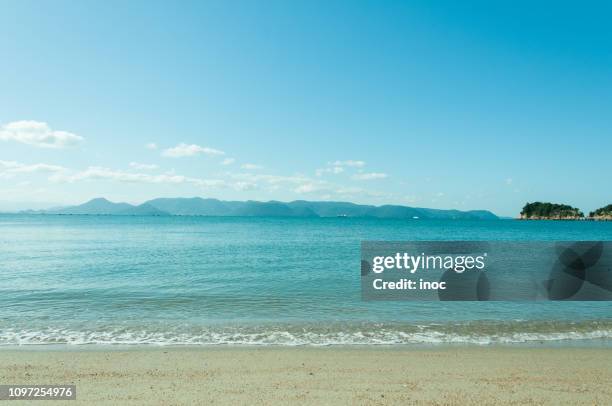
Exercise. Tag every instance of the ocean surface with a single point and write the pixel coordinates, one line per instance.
(77, 280)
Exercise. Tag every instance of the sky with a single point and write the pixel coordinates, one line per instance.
(462, 105)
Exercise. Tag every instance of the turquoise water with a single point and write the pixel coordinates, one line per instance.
(214, 280)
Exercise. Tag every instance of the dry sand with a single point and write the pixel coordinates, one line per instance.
(321, 376)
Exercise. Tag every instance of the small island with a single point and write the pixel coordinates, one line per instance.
(555, 211)
(603, 213)
(550, 211)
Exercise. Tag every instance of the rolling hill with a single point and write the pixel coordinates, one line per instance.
(197, 206)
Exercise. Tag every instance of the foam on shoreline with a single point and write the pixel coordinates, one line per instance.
(473, 333)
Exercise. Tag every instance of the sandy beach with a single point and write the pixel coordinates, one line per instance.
(337, 376)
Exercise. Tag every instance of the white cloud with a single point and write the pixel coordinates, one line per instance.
(411, 199)
(228, 161)
(270, 179)
(350, 191)
(243, 186)
(143, 167)
(100, 173)
(337, 167)
(308, 188)
(182, 150)
(38, 134)
(353, 192)
(370, 176)
(17, 167)
(334, 169)
(350, 162)
(251, 167)
(151, 145)
(301, 184)
(509, 181)
(296, 183)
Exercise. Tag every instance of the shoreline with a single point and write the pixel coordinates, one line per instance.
(331, 375)
(586, 343)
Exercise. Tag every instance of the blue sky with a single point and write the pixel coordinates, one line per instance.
(429, 104)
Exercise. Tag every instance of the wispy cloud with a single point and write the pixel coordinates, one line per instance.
(334, 170)
(151, 145)
(353, 192)
(350, 162)
(38, 134)
(244, 181)
(143, 167)
(311, 187)
(249, 181)
(338, 167)
(244, 186)
(101, 173)
(17, 167)
(251, 167)
(228, 161)
(370, 176)
(301, 184)
(411, 199)
(268, 178)
(183, 150)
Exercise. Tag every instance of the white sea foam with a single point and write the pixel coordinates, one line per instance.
(295, 337)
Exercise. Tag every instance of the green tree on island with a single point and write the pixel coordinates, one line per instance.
(605, 211)
(539, 210)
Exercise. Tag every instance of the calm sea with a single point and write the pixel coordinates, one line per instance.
(256, 281)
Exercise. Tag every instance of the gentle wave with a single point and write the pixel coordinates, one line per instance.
(470, 333)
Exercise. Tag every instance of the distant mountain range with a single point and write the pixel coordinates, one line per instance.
(197, 206)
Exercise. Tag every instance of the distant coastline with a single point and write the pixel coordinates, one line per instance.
(197, 206)
(210, 207)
